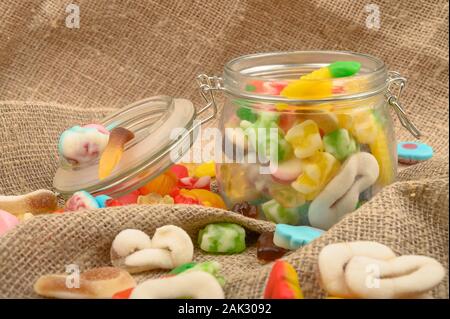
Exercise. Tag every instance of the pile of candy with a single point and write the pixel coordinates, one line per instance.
(329, 157)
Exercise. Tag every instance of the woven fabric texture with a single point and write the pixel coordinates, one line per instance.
(53, 77)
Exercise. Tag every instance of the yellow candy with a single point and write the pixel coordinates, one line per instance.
(205, 197)
(361, 124)
(315, 85)
(317, 172)
(235, 184)
(305, 139)
(380, 149)
(206, 169)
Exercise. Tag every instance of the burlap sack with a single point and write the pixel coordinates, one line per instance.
(52, 77)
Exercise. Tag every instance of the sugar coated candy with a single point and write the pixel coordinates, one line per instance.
(80, 145)
(113, 151)
(294, 237)
(81, 200)
(305, 139)
(413, 152)
(101, 200)
(286, 196)
(37, 202)
(225, 238)
(211, 267)
(153, 198)
(340, 144)
(205, 169)
(279, 214)
(266, 250)
(162, 184)
(204, 197)
(7, 222)
(283, 282)
(317, 171)
(96, 283)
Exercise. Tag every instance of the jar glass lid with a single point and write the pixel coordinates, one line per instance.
(148, 154)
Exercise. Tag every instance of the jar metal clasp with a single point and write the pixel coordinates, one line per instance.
(396, 84)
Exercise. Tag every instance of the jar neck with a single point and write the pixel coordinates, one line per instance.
(285, 67)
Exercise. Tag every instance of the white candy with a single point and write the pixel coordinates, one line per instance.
(400, 277)
(134, 251)
(193, 284)
(130, 240)
(334, 258)
(341, 195)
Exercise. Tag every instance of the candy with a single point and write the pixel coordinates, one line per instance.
(113, 203)
(287, 120)
(192, 284)
(317, 171)
(133, 250)
(326, 121)
(287, 171)
(266, 87)
(413, 152)
(178, 198)
(246, 210)
(334, 258)
(130, 198)
(340, 144)
(162, 184)
(152, 199)
(80, 145)
(286, 196)
(95, 283)
(294, 237)
(205, 197)
(317, 84)
(265, 135)
(246, 114)
(180, 171)
(81, 200)
(37, 202)
(305, 139)
(351, 270)
(211, 267)
(113, 151)
(401, 277)
(234, 183)
(381, 149)
(340, 196)
(283, 282)
(361, 124)
(266, 250)
(222, 238)
(193, 182)
(101, 200)
(7, 222)
(205, 169)
(279, 214)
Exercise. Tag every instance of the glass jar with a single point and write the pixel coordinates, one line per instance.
(316, 154)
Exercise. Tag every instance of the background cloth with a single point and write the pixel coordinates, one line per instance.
(53, 77)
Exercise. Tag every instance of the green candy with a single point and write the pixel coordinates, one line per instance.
(211, 267)
(282, 215)
(246, 114)
(226, 238)
(342, 69)
(250, 88)
(266, 121)
(340, 144)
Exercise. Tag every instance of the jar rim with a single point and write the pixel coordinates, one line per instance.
(270, 65)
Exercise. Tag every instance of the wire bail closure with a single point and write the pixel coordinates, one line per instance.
(396, 84)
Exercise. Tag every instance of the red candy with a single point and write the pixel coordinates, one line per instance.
(180, 171)
(130, 198)
(124, 294)
(180, 199)
(195, 183)
(113, 202)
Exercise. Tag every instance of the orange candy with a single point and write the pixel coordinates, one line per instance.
(162, 185)
(205, 197)
(283, 282)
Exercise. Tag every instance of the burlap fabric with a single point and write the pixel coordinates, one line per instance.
(52, 77)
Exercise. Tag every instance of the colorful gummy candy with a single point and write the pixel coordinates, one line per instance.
(207, 169)
(162, 184)
(154, 198)
(211, 267)
(276, 213)
(225, 238)
(113, 151)
(305, 139)
(413, 152)
(293, 237)
(317, 171)
(340, 144)
(81, 200)
(266, 250)
(204, 197)
(283, 282)
(246, 209)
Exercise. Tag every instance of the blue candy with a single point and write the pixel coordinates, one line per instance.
(101, 200)
(413, 152)
(294, 237)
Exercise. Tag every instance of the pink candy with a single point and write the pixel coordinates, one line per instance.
(7, 222)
